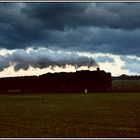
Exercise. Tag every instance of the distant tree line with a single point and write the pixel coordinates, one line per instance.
(127, 77)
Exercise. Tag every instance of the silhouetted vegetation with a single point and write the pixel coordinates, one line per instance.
(127, 77)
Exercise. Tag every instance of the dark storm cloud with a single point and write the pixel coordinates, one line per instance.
(59, 15)
(103, 40)
(101, 27)
(16, 30)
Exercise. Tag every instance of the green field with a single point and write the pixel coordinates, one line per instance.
(70, 115)
(126, 85)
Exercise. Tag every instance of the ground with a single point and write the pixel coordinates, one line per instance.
(70, 115)
(126, 85)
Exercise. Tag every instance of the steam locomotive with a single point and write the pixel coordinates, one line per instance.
(74, 82)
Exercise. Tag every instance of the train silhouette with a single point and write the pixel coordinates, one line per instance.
(63, 82)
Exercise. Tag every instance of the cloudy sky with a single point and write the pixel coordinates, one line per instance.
(36, 38)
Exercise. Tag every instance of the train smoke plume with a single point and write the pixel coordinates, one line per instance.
(43, 58)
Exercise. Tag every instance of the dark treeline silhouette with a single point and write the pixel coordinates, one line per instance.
(74, 82)
(126, 77)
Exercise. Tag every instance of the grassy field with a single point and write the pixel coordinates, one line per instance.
(70, 115)
(126, 85)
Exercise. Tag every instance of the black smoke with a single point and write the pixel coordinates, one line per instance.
(44, 58)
